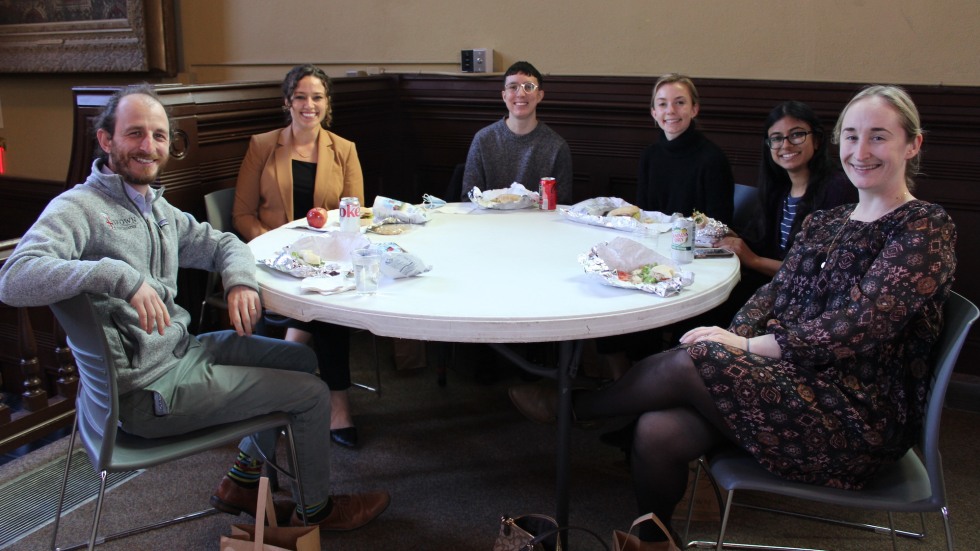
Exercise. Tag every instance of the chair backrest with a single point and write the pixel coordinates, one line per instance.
(454, 190)
(97, 403)
(218, 205)
(958, 316)
(745, 200)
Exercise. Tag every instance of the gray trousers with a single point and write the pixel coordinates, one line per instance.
(224, 378)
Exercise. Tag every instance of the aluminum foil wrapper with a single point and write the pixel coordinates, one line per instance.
(710, 233)
(388, 211)
(489, 199)
(333, 250)
(606, 260)
(593, 212)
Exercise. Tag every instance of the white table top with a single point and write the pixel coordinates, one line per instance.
(497, 276)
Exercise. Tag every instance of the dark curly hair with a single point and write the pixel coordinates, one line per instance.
(292, 79)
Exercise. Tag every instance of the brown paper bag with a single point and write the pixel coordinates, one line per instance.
(246, 537)
(707, 504)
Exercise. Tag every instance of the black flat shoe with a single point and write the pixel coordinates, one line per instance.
(346, 437)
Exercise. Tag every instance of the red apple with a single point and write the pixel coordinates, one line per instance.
(316, 217)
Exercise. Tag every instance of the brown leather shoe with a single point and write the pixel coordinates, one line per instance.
(234, 499)
(537, 402)
(350, 511)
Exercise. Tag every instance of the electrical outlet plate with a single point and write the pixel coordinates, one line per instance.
(478, 60)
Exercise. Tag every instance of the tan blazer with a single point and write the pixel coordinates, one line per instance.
(264, 192)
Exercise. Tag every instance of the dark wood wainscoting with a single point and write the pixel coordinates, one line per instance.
(411, 131)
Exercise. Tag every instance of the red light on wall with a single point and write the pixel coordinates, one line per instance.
(3, 150)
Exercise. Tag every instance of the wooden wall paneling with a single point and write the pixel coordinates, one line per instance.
(21, 202)
(411, 130)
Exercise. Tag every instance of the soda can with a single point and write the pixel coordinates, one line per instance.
(350, 214)
(682, 240)
(547, 193)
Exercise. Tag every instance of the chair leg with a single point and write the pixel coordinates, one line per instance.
(377, 370)
(690, 504)
(377, 364)
(64, 485)
(724, 520)
(103, 477)
(949, 531)
(891, 530)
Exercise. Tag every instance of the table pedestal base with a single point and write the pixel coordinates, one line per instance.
(569, 357)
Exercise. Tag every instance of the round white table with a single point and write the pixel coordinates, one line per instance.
(501, 277)
(497, 277)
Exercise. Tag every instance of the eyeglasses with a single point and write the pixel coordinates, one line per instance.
(795, 138)
(529, 87)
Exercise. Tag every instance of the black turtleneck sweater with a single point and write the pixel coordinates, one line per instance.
(686, 174)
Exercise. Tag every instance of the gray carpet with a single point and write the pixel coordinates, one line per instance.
(454, 459)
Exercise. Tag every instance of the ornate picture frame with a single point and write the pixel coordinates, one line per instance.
(68, 36)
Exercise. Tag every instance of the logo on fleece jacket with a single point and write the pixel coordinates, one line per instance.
(126, 223)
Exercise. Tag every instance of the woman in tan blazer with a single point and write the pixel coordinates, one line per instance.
(285, 173)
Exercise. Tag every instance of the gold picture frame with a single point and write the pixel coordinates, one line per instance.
(132, 36)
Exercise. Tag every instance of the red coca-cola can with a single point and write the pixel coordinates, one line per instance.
(548, 193)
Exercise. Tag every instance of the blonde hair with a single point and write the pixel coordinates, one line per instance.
(908, 114)
(671, 78)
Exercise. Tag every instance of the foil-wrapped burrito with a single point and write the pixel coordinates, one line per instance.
(510, 198)
(628, 264)
(615, 213)
(388, 210)
(317, 256)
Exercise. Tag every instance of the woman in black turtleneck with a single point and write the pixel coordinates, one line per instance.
(683, 171)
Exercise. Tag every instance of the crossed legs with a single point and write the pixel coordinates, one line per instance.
(678, 422)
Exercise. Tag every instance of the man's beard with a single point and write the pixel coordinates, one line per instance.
(119, 163)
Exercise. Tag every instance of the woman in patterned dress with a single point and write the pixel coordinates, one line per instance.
(822, 375)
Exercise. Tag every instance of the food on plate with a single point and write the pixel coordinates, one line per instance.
(648, 273)
(366, 213)
(628, 210)
(507, 198)
(307, 256)
(316, 217)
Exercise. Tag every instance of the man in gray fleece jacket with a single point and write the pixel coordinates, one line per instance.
(118, 239)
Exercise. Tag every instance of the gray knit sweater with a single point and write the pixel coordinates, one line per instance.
(93, 239)
(498, 158)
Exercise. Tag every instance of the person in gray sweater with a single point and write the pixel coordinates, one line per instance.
(519, 147)
(118, 239)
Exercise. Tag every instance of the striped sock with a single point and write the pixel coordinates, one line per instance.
(246, 471)
(317, 511)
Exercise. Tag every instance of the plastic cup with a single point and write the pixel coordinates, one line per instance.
(367, 269)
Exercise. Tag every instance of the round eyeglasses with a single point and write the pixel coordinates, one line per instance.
(529, 87)
(795, 138)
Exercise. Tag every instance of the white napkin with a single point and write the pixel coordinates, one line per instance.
(328, 285)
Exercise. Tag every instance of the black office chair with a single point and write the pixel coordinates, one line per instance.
(910, 485)
(746, 198)
(112, 450)
(454, 191)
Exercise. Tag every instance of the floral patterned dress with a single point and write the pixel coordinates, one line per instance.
(855, 309)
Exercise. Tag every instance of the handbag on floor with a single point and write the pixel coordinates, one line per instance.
(246, 537)
(534, 533)
(626, 541)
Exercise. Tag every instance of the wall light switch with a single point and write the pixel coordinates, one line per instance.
(480, 60)
(483, 60)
